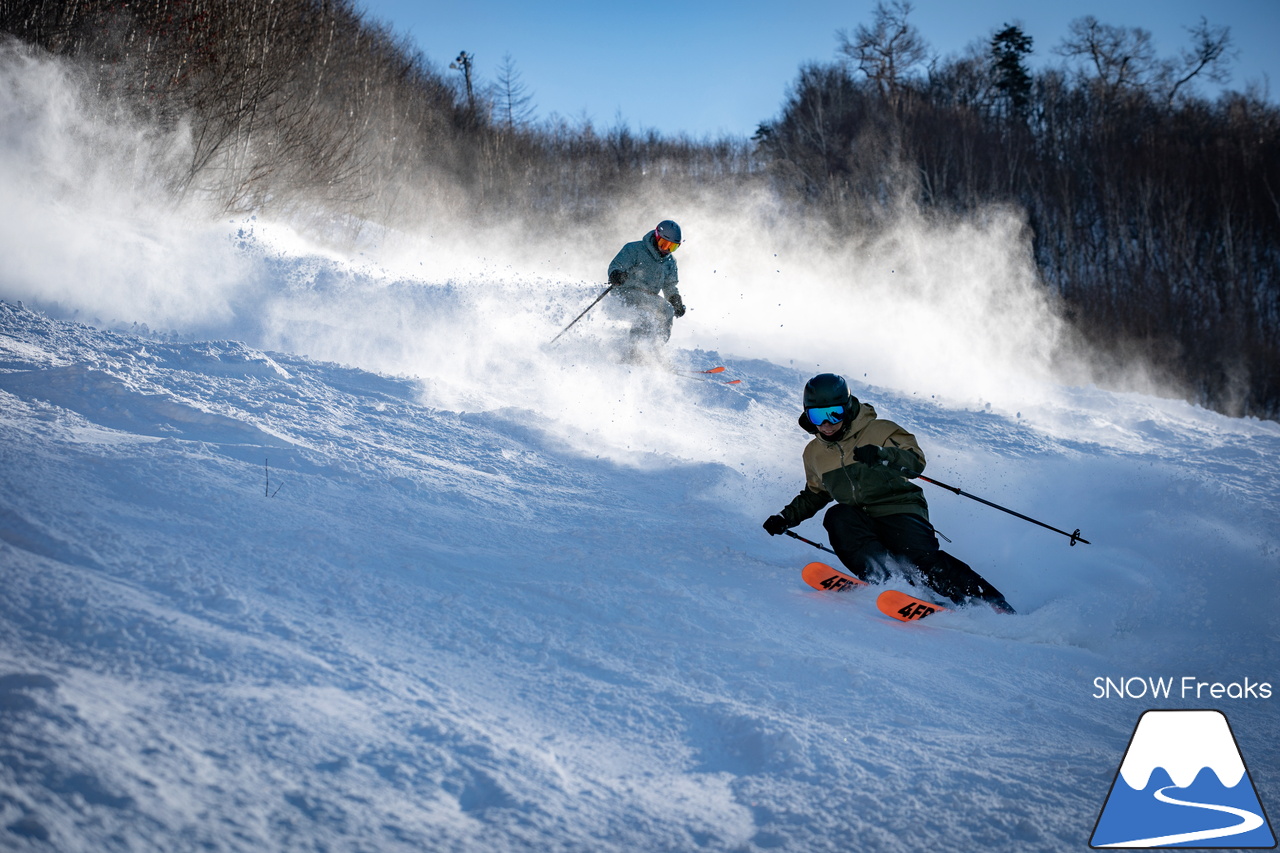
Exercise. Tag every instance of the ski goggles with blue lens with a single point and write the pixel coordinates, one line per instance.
(825, 415)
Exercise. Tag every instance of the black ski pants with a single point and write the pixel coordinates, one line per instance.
(872, 547)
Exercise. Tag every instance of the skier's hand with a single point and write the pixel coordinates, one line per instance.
(867, 454)
(775, 525)
(617, 277)
(678, 304)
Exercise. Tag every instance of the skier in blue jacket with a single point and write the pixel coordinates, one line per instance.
(644, 282)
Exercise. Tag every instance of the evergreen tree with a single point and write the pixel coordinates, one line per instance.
(1009, 49)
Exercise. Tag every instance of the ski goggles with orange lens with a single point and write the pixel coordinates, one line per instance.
(825, 415)
(665, 246)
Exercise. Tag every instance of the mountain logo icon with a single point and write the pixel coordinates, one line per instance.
(1182, 783)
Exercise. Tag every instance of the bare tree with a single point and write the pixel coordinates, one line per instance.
(1122, 59)
(888, 50)
(1209, 54)
(512, 102)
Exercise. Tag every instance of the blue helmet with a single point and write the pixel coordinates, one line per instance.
(668, 230)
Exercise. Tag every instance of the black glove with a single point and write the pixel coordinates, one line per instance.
(678, 304)
(775, 525)
(867, 454)
(617, 277)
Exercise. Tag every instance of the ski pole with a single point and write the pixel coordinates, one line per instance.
(809, 541)
(580, 316)
(1074, 537)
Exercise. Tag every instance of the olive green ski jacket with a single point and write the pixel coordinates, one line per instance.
(831, 472)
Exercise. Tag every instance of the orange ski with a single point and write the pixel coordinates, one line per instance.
(823, 577)
(906, 608)
(711, 374)
(721, 370)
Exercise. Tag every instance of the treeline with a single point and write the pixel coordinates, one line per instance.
(289, 101)
(1154, 211)
(1155, 214)
(308, 106)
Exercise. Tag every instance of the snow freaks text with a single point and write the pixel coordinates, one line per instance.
(1186, 687)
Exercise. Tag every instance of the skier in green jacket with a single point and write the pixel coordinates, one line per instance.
(880, 523)
(644, 282)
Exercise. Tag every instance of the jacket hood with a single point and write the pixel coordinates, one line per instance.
(651, 243)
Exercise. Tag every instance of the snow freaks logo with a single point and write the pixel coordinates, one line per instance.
(1182, 783)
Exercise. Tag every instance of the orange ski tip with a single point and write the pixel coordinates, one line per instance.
(823, 577)
(905, 608)
(714, 370)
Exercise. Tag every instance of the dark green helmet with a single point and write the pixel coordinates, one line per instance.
(826, 389)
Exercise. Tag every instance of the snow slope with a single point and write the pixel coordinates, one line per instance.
(256, 600)
(308, 549)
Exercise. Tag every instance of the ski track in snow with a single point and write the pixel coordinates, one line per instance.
(256, 601)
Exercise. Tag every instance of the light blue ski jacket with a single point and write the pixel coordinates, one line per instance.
(647, 271)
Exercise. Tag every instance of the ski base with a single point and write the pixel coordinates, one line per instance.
(906, 608)
(824, 577)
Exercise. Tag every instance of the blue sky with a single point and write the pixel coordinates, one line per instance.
(706, 68)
